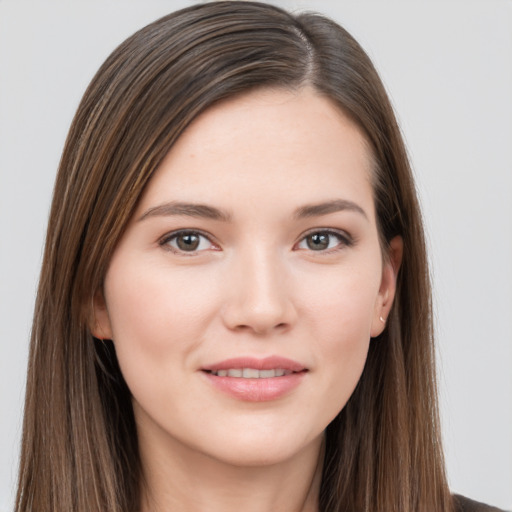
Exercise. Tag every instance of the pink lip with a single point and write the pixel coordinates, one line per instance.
(267, 363)
(256, 390)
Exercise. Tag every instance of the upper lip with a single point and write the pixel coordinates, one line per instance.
(266, 363)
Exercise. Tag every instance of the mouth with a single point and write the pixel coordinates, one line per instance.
(255, 368)
(256, 380)
(251, 373)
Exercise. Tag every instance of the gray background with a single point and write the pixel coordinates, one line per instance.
(448, 69)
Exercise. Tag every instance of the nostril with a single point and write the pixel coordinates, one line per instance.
(261, 329)
(258, 314)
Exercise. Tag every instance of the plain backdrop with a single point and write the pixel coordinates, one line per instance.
(448, 69)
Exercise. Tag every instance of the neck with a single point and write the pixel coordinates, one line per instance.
(177, 478)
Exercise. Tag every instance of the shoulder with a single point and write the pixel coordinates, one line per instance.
(463, 504)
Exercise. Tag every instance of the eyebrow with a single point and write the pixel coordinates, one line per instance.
(210, 212)
(188, 209)
(325, 208)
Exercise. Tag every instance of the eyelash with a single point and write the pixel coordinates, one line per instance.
(166, 241)
(344, 240)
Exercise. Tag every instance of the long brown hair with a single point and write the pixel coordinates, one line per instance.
(79, 449)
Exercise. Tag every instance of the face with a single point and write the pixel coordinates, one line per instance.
(246, 289)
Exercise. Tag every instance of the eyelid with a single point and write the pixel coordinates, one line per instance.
(164, 241)
(346, 240)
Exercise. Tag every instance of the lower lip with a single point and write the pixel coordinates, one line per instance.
(256, 390)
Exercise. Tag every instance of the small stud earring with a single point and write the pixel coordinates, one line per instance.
(382, 320)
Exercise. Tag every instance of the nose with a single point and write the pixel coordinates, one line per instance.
(260, 299)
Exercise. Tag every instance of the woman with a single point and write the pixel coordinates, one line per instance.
(234, 306)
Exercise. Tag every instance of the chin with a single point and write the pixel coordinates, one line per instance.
(262, 446)
(240, 454)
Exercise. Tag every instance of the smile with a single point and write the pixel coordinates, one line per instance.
(251, 373)
(253, 379)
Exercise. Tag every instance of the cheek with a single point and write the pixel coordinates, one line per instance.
(155, 303)
(157, 316)
(340, 310)
(158, 320)
(342, 302)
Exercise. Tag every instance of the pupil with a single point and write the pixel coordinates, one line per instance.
(188, 242)
(318, 241)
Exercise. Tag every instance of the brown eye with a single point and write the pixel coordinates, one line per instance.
(318, 241)
(187, 241)
(325, 241)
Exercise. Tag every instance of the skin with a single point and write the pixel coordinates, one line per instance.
(252, 287)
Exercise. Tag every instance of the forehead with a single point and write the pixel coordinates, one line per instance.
(278, 145)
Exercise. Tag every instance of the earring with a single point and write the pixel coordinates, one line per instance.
(382, 320)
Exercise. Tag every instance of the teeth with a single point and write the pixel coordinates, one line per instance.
(251, 373)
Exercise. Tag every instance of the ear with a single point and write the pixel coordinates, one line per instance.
(100, 321)
(387, 290)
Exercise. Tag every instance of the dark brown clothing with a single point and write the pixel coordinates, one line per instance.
(466, 505)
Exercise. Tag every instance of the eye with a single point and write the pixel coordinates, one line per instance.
(187, 241)
(324, 241)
